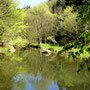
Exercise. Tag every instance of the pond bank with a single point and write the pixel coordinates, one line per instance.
(47, 48)
(56, 49)
(7, 48)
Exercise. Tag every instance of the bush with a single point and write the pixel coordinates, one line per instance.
(20, 42)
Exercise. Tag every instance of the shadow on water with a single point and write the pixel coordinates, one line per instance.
(30, 70)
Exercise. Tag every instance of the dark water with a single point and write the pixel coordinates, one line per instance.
(30, 70)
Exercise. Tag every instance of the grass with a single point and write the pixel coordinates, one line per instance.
(4, 49)
(35, 44)
(56, 48)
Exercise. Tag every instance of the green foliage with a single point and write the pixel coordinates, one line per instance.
(85, 35)
(40, 22)
(6, 49)
(52, 39)
(53, 47)
(20, 42)
(85, 12)
(80, 50)
(12, 20)
(68, 24)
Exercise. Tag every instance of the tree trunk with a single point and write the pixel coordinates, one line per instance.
(45, 38)
(2, 44)
(40, 40)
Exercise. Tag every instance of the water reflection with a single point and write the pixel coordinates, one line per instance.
(30, 70)
(26, 82)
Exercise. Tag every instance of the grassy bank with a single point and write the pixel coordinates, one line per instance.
(54, 48)
(57, 48)
(5, 49)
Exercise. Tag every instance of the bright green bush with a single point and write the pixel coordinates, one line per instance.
(20, 42)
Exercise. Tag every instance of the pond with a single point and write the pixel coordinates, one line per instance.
(30, 70)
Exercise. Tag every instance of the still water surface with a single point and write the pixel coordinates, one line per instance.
(30, 70)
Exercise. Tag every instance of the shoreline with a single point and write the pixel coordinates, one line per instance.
(47, 48)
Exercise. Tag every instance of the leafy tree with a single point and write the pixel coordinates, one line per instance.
(69, 27)
(12, 20)
(64, 3)
(85, 12)
(40, 22)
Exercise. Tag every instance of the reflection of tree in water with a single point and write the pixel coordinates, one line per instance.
(52, 68)
(7, 71)
(19, 82)
(58, 69)
(10, 64)
(39, 82)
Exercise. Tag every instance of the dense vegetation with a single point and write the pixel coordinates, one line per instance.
(58, 22)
